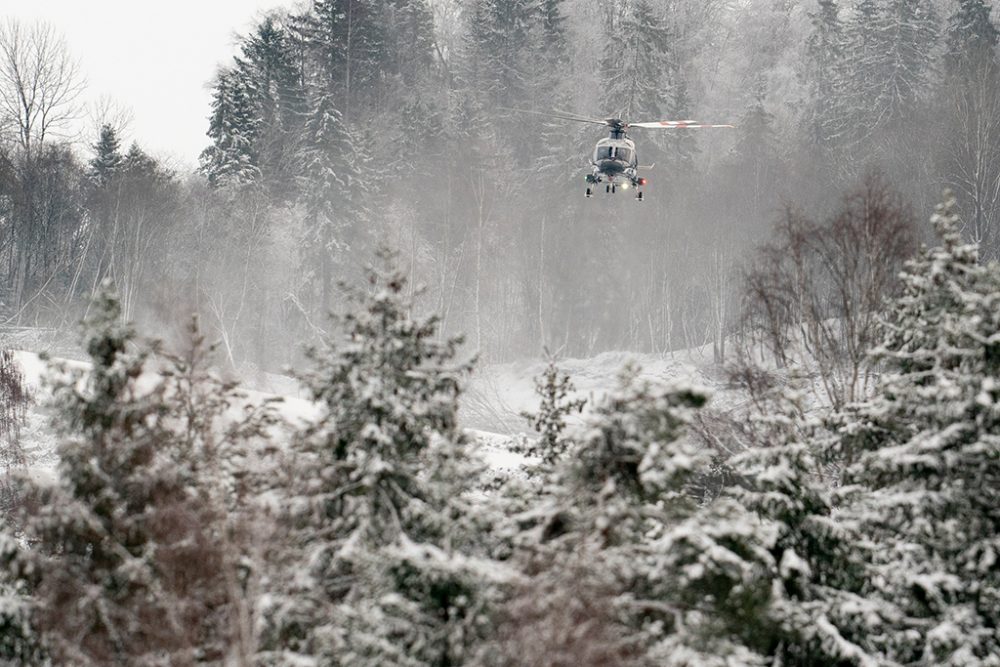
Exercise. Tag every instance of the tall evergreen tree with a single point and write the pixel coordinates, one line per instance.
(347, 43)
(553, 87)
(332, 190)
(863, 53)
(103, 193)
(410, 40)
(378, 567)
(972, 37)
(757, 149)
(905, 47)
(257, 111)
(500, 43)
(268, 66)
(107, 157)
(636, 63)
(232, 158)
(925, 448)
(824, 77)
(680, 147)
(268, 70)
(553, 29)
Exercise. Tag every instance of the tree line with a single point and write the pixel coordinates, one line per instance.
(344, 123)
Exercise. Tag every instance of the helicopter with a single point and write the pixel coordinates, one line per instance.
(615, 162)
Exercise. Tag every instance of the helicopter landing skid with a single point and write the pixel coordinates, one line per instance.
(612, 187)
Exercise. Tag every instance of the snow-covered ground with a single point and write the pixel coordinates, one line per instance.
(39, 441)
(498, 395)
(492, 405)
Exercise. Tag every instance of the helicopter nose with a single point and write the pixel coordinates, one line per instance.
(611, 166)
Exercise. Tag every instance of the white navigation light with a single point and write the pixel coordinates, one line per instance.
(625, 185)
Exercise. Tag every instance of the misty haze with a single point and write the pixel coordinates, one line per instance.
(500, 333)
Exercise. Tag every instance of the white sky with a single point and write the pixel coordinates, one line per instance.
(155, 58)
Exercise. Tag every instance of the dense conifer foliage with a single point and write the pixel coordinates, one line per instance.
(127, 558)
(379, 562)
(926, 445)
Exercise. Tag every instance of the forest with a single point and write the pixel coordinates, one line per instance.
(340, 126)
(380, 216)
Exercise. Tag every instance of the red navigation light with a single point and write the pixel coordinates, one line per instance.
(642, 181)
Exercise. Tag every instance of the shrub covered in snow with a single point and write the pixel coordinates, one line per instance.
(127, 556)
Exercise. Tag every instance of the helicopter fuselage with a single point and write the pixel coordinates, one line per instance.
(615, 159)
(615, 164)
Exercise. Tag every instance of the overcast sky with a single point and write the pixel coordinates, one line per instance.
(155, 58)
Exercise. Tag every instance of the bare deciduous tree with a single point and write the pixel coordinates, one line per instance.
(40, 83)
(106, 111)
(815, 293)
(973, 156)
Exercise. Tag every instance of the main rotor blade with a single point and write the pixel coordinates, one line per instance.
(559, 114)
(583, 119)
(675, 125)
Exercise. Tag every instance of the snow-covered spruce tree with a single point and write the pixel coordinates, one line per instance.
(862, 52)
(824, 74)
(631, 459)
(103, 189)
(258, 107)
(972, 38)
(554, 389)
(889, 59)
(121, 563)
(232, 158)
(107, 158)
(377, 568)
(331, 188)
(410, 40)
(268, 69)
(906, 33)
(629, 561)
(925, 447)
(346, 43)
(818, 611)
(765, 574)
(498, 50)
(635, 65)
(705, 574)
(589, 598)
(756, 153)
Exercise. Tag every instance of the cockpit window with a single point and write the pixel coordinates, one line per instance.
(611, 152)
